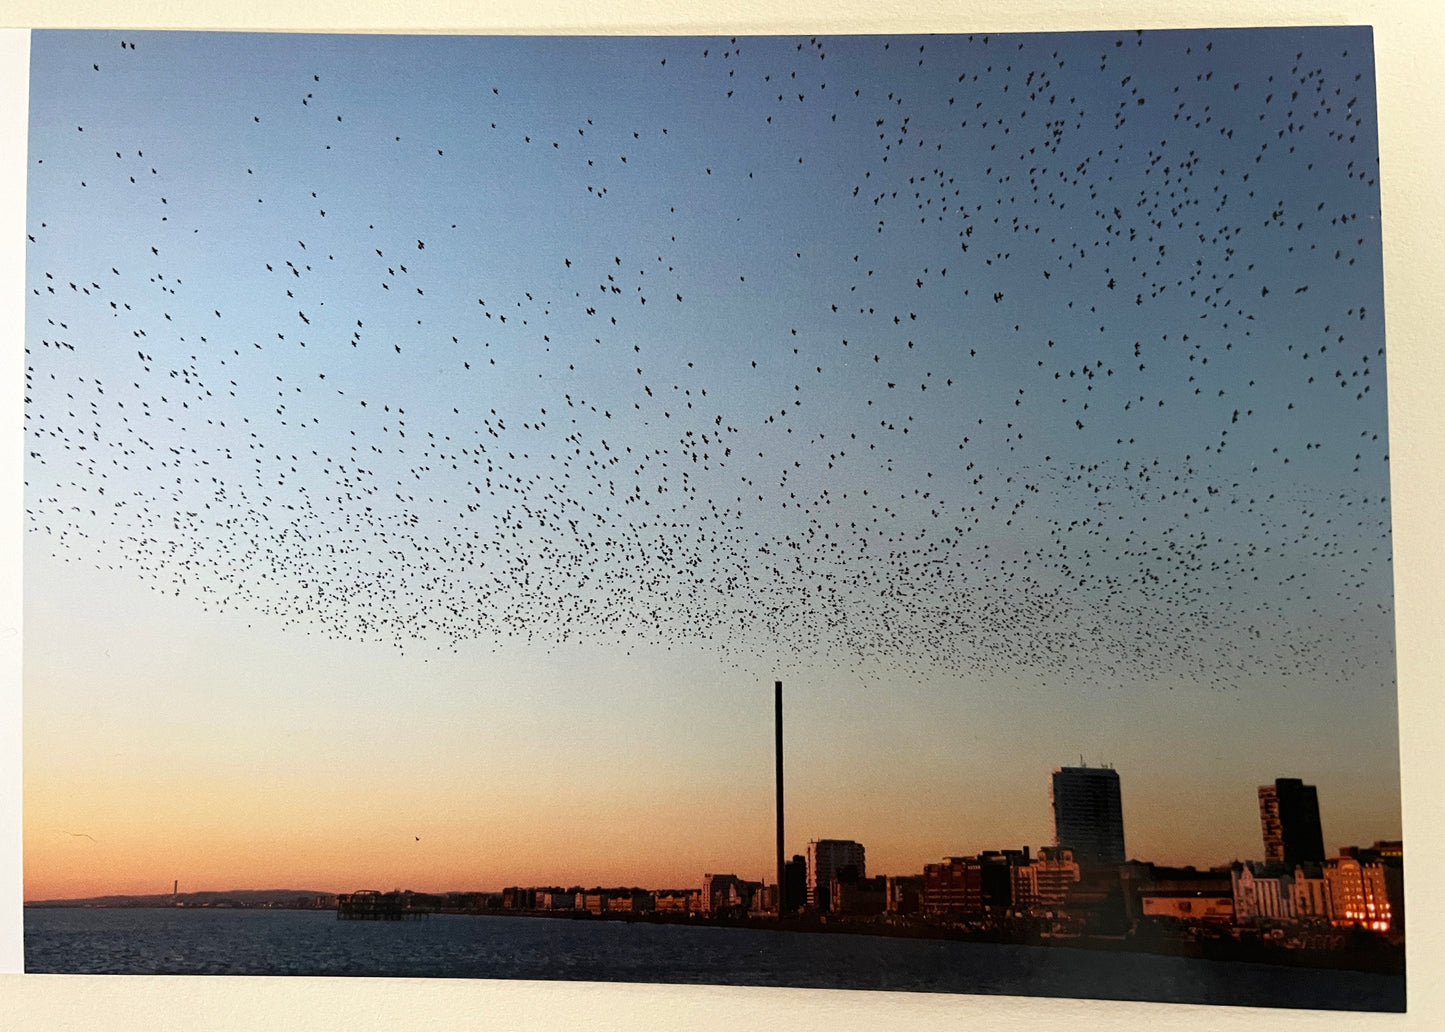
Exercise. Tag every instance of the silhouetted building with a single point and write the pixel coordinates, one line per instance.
(1045, 883)
(999, 877)
(554, 898)
(795, 884)
(764, 901)
(1308, 894)
(726, 893)
(1184, 894)
(1089, 814)
(849, 894)
(1389, 849)
(1289, 817)
(953, 888)
(1099, 904)
(825, 858)
(676, 901)
(903, 892)
(517, 898)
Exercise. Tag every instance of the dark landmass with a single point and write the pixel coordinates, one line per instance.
(297, 899)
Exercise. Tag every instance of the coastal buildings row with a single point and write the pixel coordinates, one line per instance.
(1081, 884)
(1360, 887)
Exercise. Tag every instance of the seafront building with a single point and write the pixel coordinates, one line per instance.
(1289, 817)
(952, 888)
(1089, 814)
(1047, 881)
(827, 857)
(1358, 892)
(795, 883)
(727, 894)
(1262, 892)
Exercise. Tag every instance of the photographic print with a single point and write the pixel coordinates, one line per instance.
(856, 512)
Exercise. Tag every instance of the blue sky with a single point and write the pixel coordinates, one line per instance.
(1006, 396)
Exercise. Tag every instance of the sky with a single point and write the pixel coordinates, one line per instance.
(437, 447)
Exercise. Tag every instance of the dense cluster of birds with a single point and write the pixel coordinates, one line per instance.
(1046, 358)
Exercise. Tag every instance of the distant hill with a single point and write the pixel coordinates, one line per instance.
(232, 897)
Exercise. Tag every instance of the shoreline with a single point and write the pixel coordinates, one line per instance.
(1378, 958)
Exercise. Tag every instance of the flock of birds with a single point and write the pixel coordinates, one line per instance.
(1043, 359)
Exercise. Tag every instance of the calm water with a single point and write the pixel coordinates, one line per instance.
(288, 942)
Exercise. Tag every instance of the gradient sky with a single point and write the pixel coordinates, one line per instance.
(1014, 399)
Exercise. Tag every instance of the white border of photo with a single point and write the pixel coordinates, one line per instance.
(1408, 43)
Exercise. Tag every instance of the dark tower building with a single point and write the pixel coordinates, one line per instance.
(1289, 817)
(827, 857)
(1088, 814)
(795, 884)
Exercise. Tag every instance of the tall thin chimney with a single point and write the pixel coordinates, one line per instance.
(778, 749)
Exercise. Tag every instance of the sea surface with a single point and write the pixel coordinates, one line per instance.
(301, 942)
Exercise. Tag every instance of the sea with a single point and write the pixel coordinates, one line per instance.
(308, 942)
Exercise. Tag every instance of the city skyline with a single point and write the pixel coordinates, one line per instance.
(848, 848)
(259, 734)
